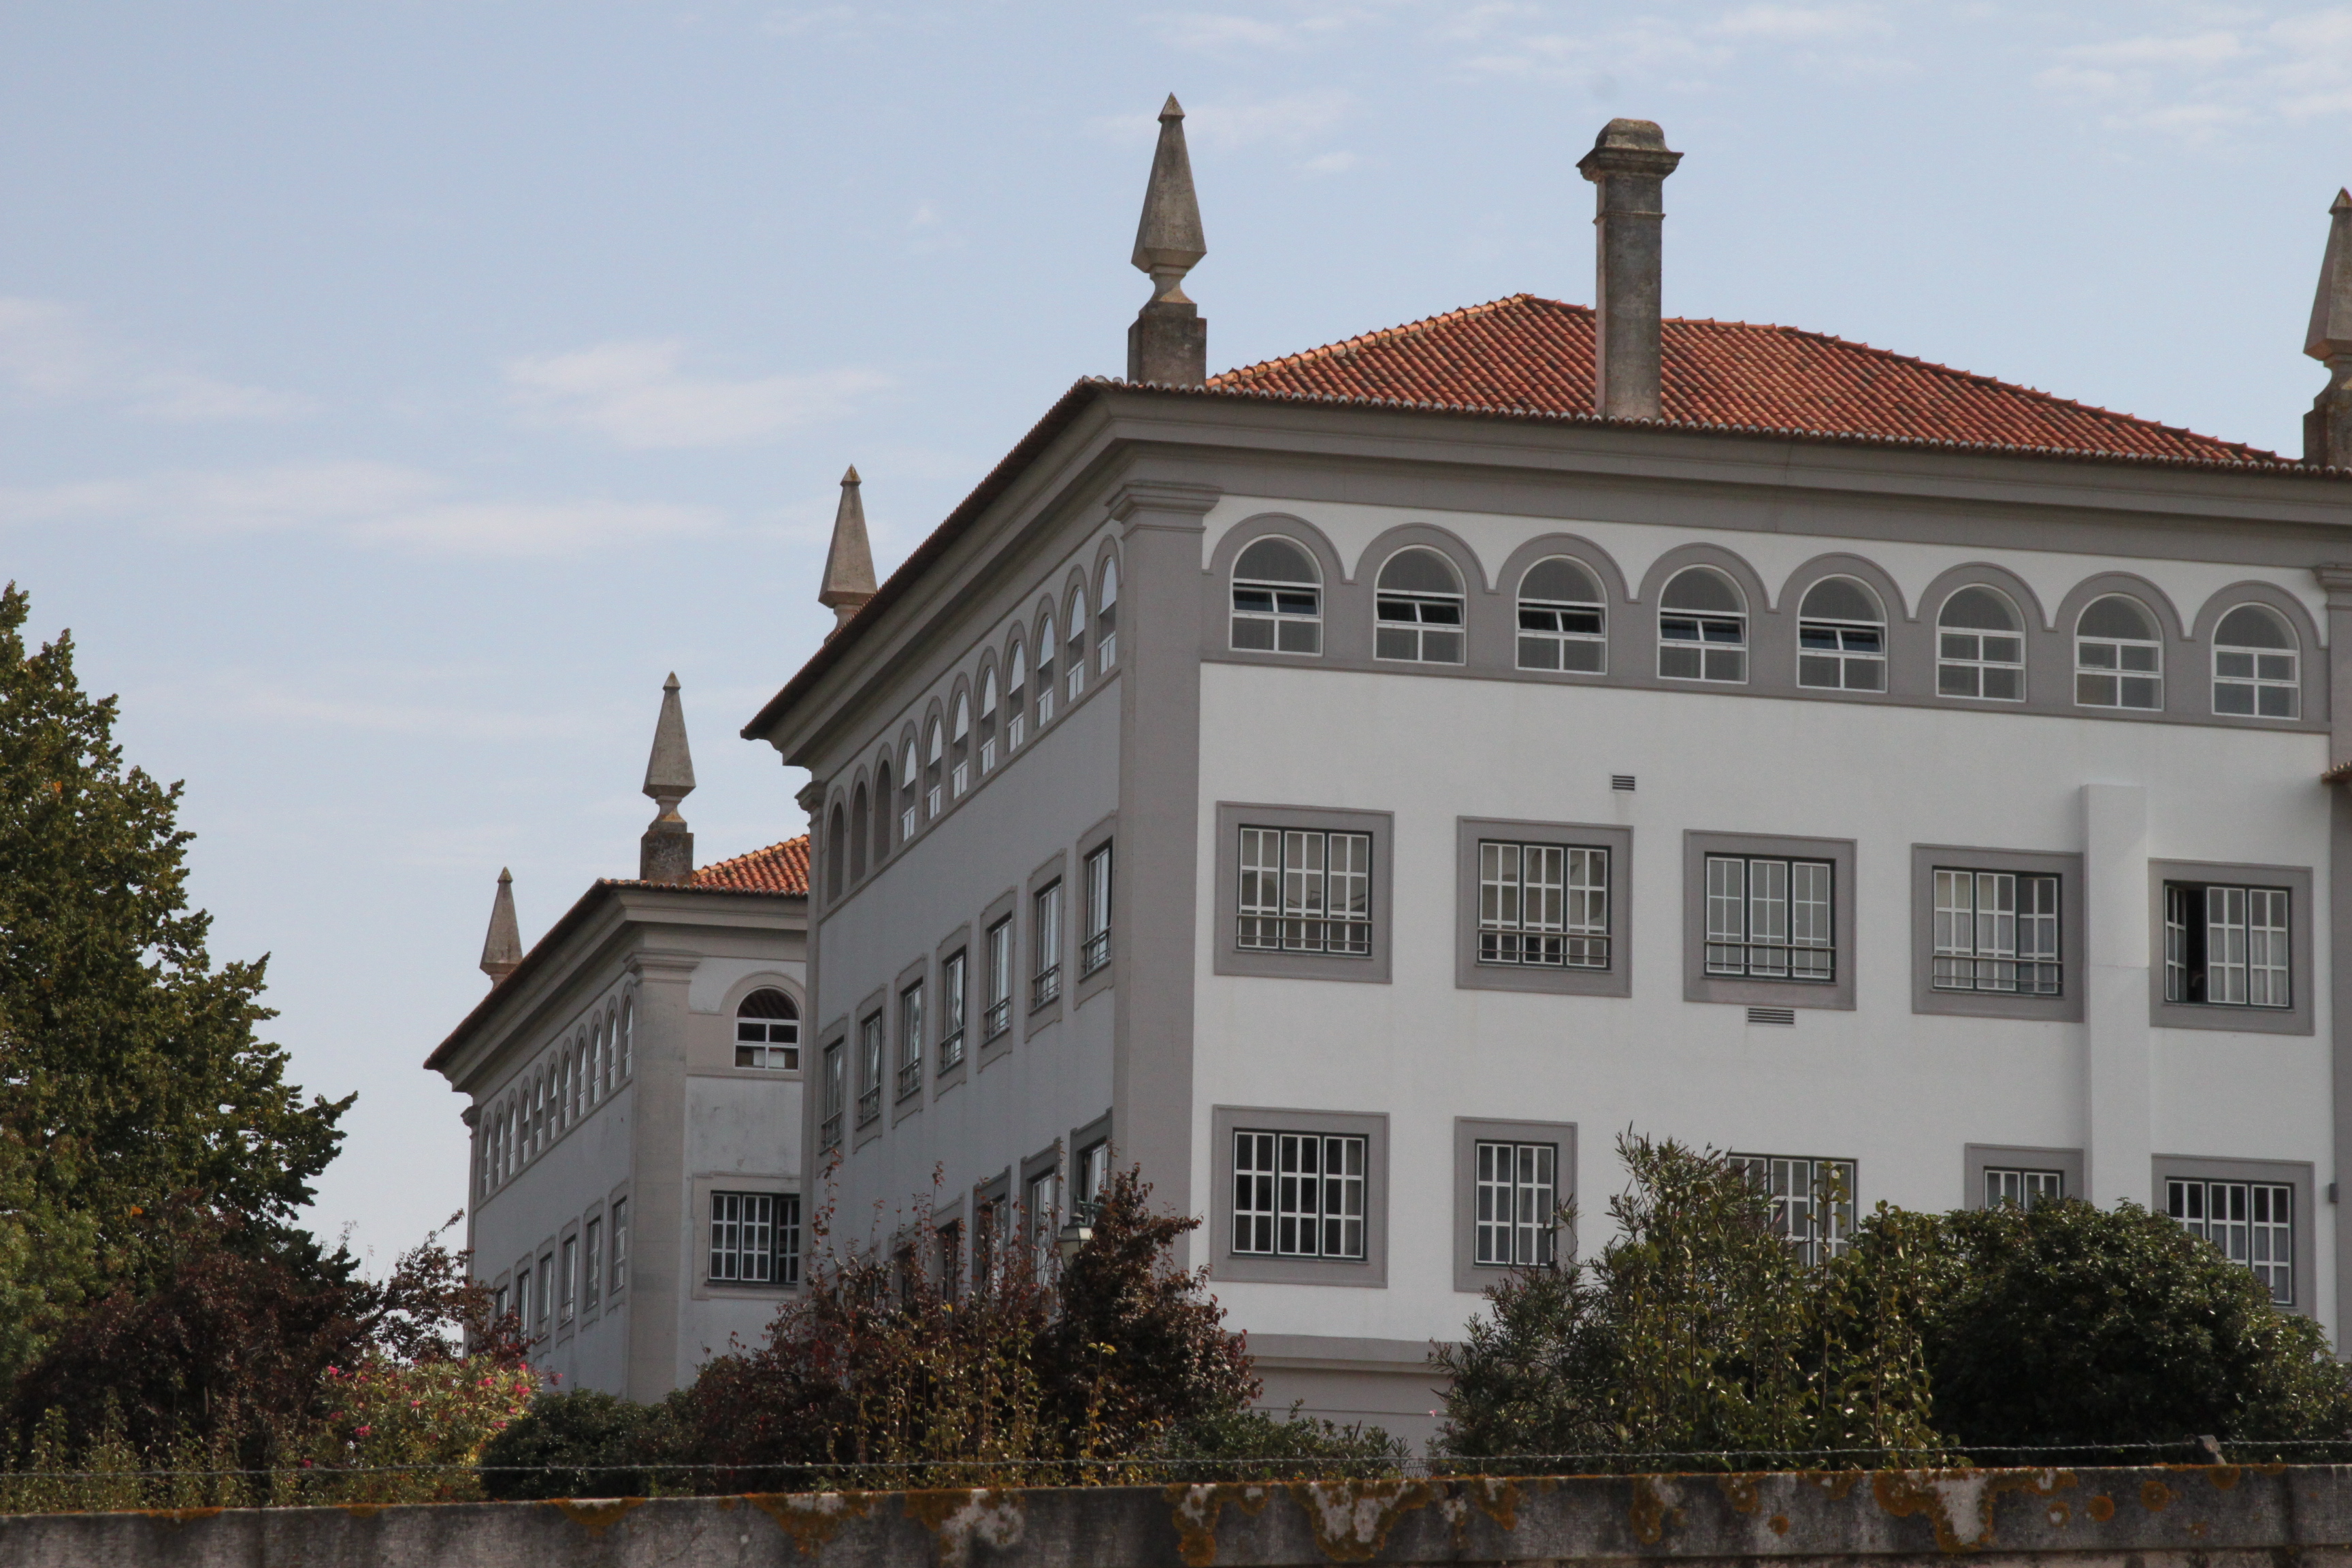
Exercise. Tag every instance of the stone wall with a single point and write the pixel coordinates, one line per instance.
(2221, 1516)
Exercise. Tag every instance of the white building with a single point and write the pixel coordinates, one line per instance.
(1538, 722)
(634, 1097)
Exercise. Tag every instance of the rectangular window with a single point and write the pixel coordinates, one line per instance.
(1996, 931)
(2021, 1187)
(951, 1249)
(743, 1239)
(951, 1005)
(870, 1070)
(999, 1015)
(522, 1298)
(501, 1301)
(836, 1082)
(1305, 891)
(1812, 1200)
(1769, 919)
(1517, 1196)
(592, 1263)
(1045, 930)
(567, 1277)
(1093, 1176)
(1044, 1222)
(2251, 1221)
(545, 1290)
(910, 1040)
(1298, 1194)
(1093, 949)
(620, 1245)
(2226, 946)
(1543, 904)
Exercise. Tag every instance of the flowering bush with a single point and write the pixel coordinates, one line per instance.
(433, 1414)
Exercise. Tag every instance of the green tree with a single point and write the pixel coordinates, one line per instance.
(2067, 1323)
(130, 1075)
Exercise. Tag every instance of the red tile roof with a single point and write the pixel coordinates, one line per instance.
(779, 869)
(1525, 353)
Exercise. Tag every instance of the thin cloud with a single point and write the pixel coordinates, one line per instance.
(372, 505)
(639, 394)
(49, 354)
(2201, 84)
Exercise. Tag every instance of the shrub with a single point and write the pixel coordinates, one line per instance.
(431, 1419)
(591, 1443)
(1252, 1445)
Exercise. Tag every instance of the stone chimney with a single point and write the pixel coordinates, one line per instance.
(502, 949)
(666, 852)
(2327, 428)
(1629, 163)
(1169, 342)
(850, 564)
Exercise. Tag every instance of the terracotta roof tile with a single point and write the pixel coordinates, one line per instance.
(779, 869)
(1535, 354)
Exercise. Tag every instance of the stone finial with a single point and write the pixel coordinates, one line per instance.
(2327, 428)
(1629, 164)
(849, 562)
(1169, 342)
(666, 852)
(502, 949)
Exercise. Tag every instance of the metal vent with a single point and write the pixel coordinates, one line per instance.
(1786, 1017)
(1620, 781)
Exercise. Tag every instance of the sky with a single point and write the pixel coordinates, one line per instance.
(393, 395)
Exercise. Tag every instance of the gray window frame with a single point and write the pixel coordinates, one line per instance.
(1084, 1140)
(990, 1047)
(877, 1008)
(2295, 1020)
(1032, 1018)
(1101, 835)
(835, 1037)
(2066, 1008)
(904, 1102)
(1698, 985)
(1470, 1276)
(2295, 1173)
(946, 1077)
(1370, 1271)
(1976, 1159)
(1469, 974)
(1232, 958)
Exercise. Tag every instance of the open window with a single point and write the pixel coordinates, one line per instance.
(1563, 624)
(1107, 618)
(1701, 628)
(1841, 637)
(1420, 609)
(1277, 599)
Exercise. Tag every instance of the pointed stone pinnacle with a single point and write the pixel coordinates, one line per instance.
(849, 561)
(502, 948)
(2330, 336)
(669, 771)
(1167, 239)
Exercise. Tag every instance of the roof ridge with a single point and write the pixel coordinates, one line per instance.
(1347, 346)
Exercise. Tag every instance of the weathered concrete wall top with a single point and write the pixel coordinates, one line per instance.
(2221, 1516)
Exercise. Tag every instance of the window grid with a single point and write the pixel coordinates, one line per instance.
(997, 1015)
(1298, 1194)
(1419, 628)
(1045, 983)
(1543, 904)
(1695, 646)
(2251, 1222)
(1043, 1222)
(829, 1131)
(1558, 635)
(1811, 1200)
(1277, 617)
(764, 1039)
(1998, 931)
(1518, 1197)
(1093, 949)
(910, 1040)
(2022, 1188)
(2118, 672)
(951, 1006)
(592, 1264)
(1848, 655)
(869, 1070)
(2226, 946)
(2264, 683)
(568, 1280)
(1305, 891)
(620, 1245)
(1986, 665)
(743, 1237)
(1770, 919)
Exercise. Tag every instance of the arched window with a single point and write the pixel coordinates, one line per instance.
(960, 746)
(1107, 618)
(935, 762)
(768, 1031)
(1420, 609)
(2118, 658)
(613, 1048)
(1980, 648)
(885, 807)
(599, 1062)
(1277, 599)
(1017, 694)
(907, 766)
(2256, 664)
(1077, 619)
(579, 1075)
(1562, 623)
(1701, 628)
(1045, 669)
(1841, 638)
(628, 1037)
(988, 720)
(836, 851)
(858, 815)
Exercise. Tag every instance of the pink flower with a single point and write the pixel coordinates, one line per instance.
(361, 1431)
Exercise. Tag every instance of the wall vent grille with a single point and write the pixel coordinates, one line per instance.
(1620, 781)
(1784, 1017)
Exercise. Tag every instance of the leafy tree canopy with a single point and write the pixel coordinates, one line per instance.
(130, 1075)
